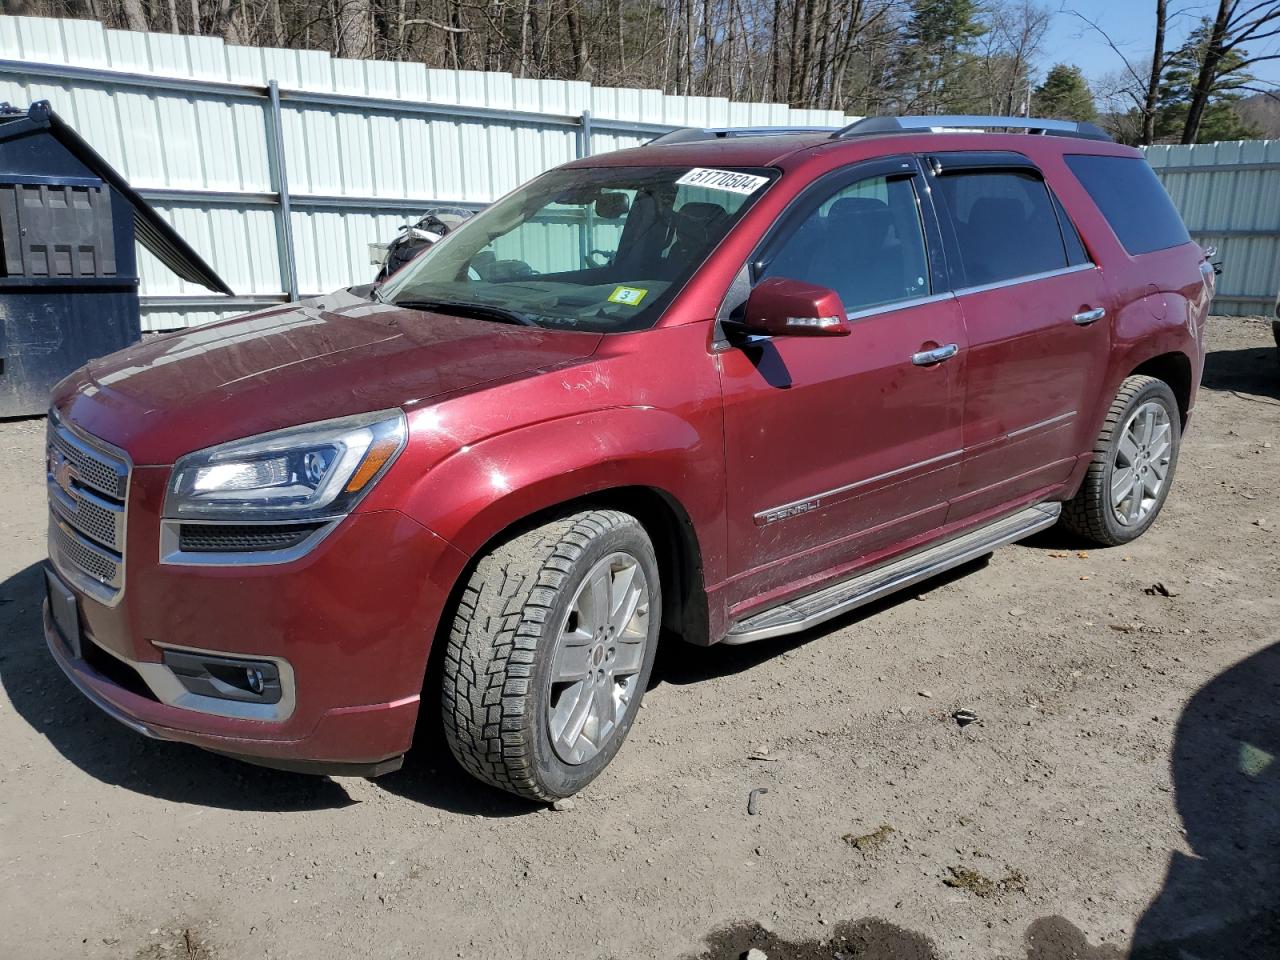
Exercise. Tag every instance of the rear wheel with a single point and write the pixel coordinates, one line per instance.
(550, 652)
(1132, 467)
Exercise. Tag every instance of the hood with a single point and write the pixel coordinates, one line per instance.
(327, 357)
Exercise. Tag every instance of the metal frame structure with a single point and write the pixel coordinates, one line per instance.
(281, 199)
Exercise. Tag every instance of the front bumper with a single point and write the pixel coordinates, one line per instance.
(353, 620)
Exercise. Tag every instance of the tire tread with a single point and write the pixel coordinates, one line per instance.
(493, 644)
(1083, 513)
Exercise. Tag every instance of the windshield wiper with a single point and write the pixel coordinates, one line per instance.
(482, 311)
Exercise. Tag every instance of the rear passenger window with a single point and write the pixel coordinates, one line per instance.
(1131, 197)
(864, 242)
(1005, 225)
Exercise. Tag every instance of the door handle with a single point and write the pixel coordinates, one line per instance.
(1086, 317)
(927, 358)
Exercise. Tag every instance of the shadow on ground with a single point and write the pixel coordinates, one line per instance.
(109, 752)
(681, 663)
(1253, 371)
(1224, 900)
(1221, 903)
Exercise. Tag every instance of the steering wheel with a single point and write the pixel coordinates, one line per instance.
(604, 258)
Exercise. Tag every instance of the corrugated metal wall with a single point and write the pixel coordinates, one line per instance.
(1229, 196)
(359, 147)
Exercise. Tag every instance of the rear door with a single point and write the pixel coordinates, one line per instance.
(1035, 311)
(837, 446)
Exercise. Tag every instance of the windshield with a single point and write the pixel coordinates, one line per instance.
(603, 249)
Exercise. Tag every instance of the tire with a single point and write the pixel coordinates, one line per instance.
(517, 635)
(1094, 513)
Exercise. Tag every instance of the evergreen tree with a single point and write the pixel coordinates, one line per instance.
(1064, 94)
(936, 52)
(1220, 120)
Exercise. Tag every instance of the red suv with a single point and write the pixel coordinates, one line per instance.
(718, 388)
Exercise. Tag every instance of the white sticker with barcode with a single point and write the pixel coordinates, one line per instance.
(730, 180)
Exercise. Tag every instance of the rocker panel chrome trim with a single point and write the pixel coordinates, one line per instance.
(897, 574)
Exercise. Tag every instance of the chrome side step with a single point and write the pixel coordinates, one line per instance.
(814, 608)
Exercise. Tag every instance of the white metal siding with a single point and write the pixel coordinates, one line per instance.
(1229, 196)
(356, 169)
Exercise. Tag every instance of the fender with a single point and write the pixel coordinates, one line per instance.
(483, 488)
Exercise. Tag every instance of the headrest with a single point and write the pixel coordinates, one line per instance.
(701, 212)
(998, 211)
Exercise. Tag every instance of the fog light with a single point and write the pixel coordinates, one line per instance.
(226, 678)
(254, 676)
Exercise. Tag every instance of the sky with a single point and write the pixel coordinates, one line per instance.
(1131, 25)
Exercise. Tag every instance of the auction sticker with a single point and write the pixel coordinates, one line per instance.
(730, 180)
(630, 296)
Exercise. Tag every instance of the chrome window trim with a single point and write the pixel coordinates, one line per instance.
(171, 554)
(1028, 278)
(894, 305)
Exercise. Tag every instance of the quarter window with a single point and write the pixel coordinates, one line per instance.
(1005, 225)
(1131, 197)
(865, 242)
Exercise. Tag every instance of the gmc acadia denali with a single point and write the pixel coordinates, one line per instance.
(722, 387)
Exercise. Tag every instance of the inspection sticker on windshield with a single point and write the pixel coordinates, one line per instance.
(628, 296)
(730, 180)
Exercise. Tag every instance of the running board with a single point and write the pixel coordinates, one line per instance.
(814, 608)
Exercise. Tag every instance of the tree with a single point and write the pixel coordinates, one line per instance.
(1065, 93)
(1237, 22)
(1218, 119)
(936, 45)
(1157, 69)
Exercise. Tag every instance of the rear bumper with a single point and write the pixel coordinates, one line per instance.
(347, 741)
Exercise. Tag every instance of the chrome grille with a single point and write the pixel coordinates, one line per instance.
(88, 483)
(83, 554)
(95, 469)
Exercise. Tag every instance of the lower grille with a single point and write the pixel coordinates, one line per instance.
(240, 538)
(87, 486)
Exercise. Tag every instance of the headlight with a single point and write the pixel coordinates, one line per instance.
(302, 473)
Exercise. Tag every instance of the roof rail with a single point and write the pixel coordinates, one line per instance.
(1038, 125)
(692, 134)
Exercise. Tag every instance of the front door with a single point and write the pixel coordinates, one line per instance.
(837, 447)
(1035, 308)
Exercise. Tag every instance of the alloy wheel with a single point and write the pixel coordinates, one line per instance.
(600, 650)
(1141, 465)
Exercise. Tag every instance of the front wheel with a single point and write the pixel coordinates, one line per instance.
(550, 651)
(1133, 464)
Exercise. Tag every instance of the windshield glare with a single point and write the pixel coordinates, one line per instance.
(603, 249)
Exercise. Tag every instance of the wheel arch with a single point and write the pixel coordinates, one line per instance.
(1174, 368)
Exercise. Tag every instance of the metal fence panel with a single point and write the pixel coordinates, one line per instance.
(1229, 196)
(362, 146)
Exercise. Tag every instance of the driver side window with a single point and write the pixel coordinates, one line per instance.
(865, 242)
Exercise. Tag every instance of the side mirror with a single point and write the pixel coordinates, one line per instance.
(780, 307)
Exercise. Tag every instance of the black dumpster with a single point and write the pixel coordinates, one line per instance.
(68, 269)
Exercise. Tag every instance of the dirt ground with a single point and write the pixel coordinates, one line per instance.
(1118, 792)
